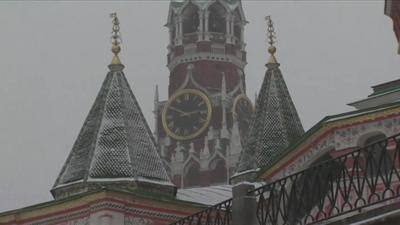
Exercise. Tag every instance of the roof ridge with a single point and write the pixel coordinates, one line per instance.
(86, 121)
(91, 153)
(124, 114)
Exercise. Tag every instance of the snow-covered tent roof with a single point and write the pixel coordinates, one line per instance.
(115, 146)
(276, 124)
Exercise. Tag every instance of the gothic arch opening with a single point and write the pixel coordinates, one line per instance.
(192, 175)
(218, 171)
(237, 28)
(375, 138)
(172, 28)
(190, 18)
(322, 175)
(377, 159)
(173, 33)
(217, 20)
(370, 138)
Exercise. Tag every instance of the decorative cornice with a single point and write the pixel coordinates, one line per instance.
(84, 205)
(206, 56)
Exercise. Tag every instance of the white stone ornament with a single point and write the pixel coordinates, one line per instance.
(205, 153)
(179, 157)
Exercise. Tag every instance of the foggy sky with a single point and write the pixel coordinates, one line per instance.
(54, 57)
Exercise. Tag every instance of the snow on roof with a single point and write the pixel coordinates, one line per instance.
(356, 113)
(276, 124)
(208, 195)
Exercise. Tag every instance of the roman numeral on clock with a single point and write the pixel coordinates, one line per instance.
(186, 97)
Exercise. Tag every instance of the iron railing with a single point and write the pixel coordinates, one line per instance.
(220, 214)
(363, 178)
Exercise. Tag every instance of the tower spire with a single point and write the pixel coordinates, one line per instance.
(115, 39)
(271, 40)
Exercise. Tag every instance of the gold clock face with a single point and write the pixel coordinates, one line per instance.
(243, 110)
(187, 114)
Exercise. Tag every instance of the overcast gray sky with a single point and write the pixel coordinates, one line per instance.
(54, 57)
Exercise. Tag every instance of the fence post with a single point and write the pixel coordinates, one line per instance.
(244, 206)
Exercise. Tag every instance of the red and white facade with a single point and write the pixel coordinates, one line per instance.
(376, 119)
(106, 207)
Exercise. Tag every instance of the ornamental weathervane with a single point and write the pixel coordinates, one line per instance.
(115, 39)
(271, 39)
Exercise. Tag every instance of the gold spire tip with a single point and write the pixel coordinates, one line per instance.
(115, 39)
(271, 36)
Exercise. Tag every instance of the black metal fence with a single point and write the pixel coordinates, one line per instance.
(361, 178)
(365, 177)
(220, 214)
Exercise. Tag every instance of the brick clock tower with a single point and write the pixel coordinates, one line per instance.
(201, 127)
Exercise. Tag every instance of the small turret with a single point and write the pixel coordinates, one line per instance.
(276, 124)
(115, 147)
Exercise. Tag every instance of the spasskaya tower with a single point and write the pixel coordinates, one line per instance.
(201, 127)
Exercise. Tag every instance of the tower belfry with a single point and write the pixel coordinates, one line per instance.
(207, 105)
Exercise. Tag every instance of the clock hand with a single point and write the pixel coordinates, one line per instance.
(193, 112)
(179, 111)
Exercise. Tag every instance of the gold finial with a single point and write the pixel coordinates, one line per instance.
(115, 39)
(271, 39)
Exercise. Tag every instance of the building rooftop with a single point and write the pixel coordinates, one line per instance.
(384, 93)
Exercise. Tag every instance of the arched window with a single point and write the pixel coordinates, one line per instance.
(216, 20)
(377, 157)
(237, 31)
(191, 21)
(192, 175)
(105, 220)
(237, 28)
(173, 33)
(320, 178)
(219, 172)
(173, 27)
(375, 138)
